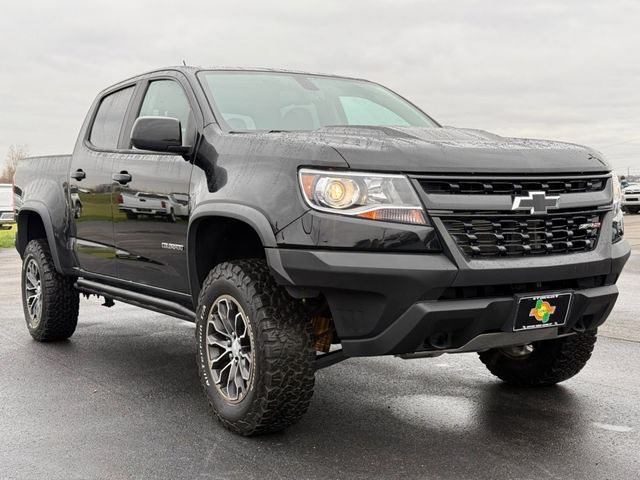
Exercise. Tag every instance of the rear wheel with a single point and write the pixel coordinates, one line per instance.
(50, 300)
(254, 349)
(541, 363)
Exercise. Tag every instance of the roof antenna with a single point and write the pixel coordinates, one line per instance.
(184, 63)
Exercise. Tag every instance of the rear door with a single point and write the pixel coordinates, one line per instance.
(90, 183)
(151, 210)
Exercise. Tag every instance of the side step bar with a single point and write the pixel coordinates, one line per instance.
(138, 299)
(327, 359)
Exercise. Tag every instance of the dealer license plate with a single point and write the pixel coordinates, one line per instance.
(542, 311)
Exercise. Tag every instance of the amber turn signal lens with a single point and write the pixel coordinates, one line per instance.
(308, 181)
(402, 215)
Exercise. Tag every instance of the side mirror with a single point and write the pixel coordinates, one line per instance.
(158, 134)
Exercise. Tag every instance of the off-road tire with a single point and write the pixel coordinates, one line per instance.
(551, 362)
(60, 300)
(284, 359)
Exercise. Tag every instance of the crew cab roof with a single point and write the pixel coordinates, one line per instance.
(190, 71)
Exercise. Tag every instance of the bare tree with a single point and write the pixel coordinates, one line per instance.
(14, 155)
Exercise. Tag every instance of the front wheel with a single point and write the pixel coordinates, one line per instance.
(50, 299)
(254, 349)
(541, 363)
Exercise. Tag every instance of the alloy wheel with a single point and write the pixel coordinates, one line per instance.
(33, 292)
(230, 348)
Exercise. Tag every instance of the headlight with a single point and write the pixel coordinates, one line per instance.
(373, 196)
(618, 218)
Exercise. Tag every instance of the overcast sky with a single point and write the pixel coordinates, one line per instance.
(544, 69)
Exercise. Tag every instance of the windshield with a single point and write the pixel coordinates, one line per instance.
(272, 101)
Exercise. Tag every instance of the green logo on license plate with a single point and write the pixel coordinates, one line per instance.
(542, 311)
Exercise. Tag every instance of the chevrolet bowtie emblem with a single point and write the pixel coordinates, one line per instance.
(535, 202)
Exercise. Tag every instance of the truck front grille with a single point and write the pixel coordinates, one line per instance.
(505, 186)
(519, 235)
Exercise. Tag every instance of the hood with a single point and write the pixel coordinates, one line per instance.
(451, 150)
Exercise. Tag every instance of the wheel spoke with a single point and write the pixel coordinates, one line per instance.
(38, 308)
(31, 299)
(213, 341)
(231, 379)
(220, 357)
(245, 370)
(219, 329)
(32, 280)
(235, 323)
(223, 308)
(224, 352)
(31, 304)
(239, 381)
(219, 380)
(224, 316)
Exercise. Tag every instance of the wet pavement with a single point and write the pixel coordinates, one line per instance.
(122, 399)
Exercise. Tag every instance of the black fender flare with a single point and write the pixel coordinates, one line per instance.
(249, 215)
(40, 209)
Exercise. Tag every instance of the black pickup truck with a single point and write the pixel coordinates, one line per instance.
(302, 219)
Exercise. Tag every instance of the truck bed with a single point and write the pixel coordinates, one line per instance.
(43, 182)
(43, 178)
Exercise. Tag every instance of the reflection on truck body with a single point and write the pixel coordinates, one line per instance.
(142, 203)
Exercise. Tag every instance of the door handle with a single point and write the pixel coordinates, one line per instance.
(122, 178)
(78, 175)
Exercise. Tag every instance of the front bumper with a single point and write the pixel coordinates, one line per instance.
(392, 303)
(452, 325)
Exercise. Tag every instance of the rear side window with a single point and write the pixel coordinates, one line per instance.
(109, 119)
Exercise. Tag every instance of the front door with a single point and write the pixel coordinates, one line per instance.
(151, 202)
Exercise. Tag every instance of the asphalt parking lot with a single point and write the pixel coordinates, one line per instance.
(122, 399)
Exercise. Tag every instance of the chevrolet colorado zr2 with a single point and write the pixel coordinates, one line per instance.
(321, 218)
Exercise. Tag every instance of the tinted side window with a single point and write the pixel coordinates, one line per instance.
(166, 98)
(109, 119)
